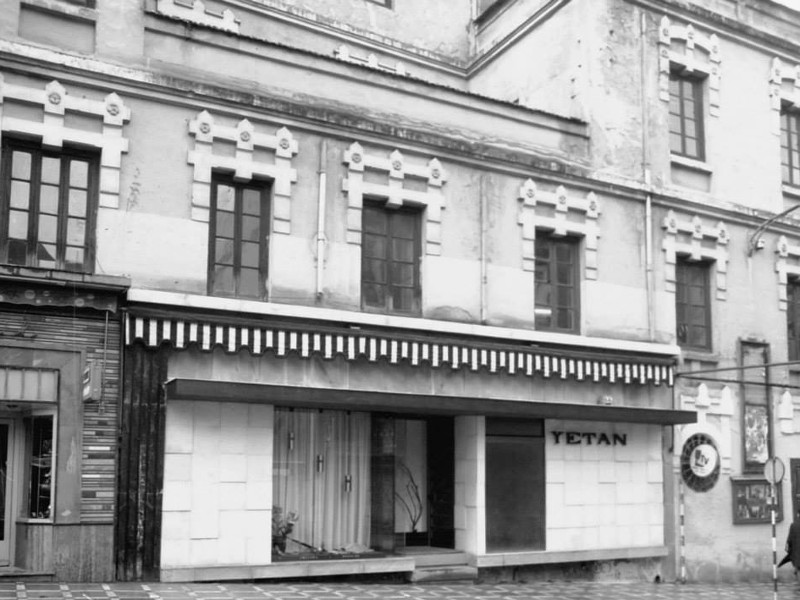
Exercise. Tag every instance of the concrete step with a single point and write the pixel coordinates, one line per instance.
(440, 559)
(453, 573)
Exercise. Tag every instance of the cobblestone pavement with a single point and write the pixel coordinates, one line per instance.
(336, 591)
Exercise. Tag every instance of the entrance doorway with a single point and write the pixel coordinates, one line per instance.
(6, 462)
(794, 469)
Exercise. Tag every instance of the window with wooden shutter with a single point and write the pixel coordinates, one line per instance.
(557, 289)
(686, 116)
(693, 304)
(790, 146)
(239, 235)
(48, 204)
(390, 255)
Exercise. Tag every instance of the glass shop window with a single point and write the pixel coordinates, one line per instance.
(39, 466)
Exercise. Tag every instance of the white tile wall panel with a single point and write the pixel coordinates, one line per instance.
(232, 496)
(233, 467)
(204, 524)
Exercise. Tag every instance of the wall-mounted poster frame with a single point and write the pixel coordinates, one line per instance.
(751, 501)
(757, 442)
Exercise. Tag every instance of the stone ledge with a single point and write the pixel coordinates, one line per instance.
(288, 569)
(541, 558)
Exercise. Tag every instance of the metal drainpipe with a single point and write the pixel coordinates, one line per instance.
(648, 206)
(483, 246)
(321, 202)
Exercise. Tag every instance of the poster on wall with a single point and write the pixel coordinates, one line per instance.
(751, 501)
(700, 462)
(756, 423)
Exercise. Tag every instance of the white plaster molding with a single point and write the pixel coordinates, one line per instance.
(56, 103)
(196, 12)
(393, 192)
(242, 164)
(675, 243)
(684, 56)
(715, 410)
(370, 60)
(559, 206)
(787, 265)
(780, 93)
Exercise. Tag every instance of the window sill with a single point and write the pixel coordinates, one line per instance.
(70, 10)
(32, 521)
(699, 355)
(790, 190)
(691, 163)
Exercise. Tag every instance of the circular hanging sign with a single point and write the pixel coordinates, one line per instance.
(700, 462)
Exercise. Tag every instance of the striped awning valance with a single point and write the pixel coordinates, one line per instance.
(281, 341)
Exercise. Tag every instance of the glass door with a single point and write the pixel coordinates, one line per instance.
(321, 484)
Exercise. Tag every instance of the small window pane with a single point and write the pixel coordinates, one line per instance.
(402, 274)
(226, 197)
(20, 194)
(250, 256)
(564, 319)
(374, 246)
(403, 250)
(77, 203)
(223, 279)
(48, 229)
(76, 232)
(48, 199)
(251, 229)
(403, 299)
(375, 270)
(18, 225)
(374, 294)
(249, 283)
(46, 256)
(17, 252)
(51, 170)
(225, 224)
(251, 202)
(224, 252)
(74, 258)
(374, 221)
(21, 165)
(78, 174)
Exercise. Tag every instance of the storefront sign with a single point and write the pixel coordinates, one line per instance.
(700, 462)
(589, 438)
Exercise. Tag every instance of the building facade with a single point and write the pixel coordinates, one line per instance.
(387, 286)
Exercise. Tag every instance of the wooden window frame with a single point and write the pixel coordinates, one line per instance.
(264, 188)
(388, 307)
(681, 266)
(64, 156)
(793, 317)
(790, 152)
(573, 243)
(695, 89)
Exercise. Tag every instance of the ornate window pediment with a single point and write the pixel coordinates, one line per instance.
(242, 164)
(394, 183)
(562, 213)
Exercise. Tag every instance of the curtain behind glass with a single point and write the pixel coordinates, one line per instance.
(321, 472)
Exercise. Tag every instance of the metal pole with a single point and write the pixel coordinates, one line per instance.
(682, 532)
(774, 544)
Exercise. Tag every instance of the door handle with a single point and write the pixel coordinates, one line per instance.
(320, 463)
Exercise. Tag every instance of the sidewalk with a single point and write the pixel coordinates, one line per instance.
(335, 591)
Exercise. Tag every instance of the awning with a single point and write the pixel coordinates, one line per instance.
(396, 347)
(419, 404)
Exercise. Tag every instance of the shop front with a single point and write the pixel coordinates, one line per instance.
(279, 450)
(59, 361)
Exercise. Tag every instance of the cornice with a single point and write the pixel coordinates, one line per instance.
(347, 33)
